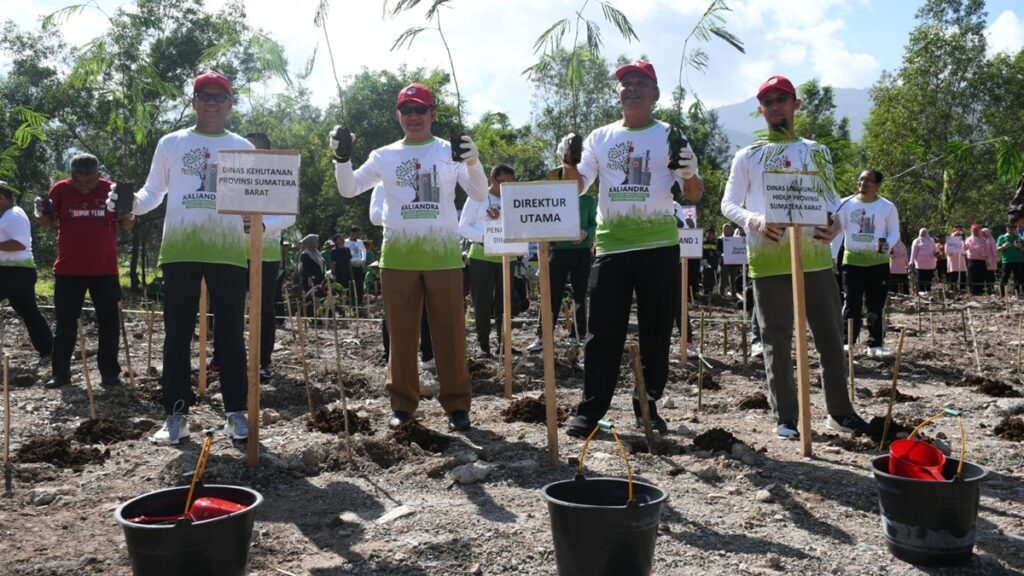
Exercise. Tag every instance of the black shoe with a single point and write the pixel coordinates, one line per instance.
(657, 423)
(459, 421)
(266, 373)
(485, 352)
(115, 381)
(847, 424)
(398, 419)
(57, 382)
(580, 426)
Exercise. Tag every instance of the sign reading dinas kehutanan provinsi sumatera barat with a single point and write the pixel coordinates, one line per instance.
(796, 198)
(258, 181)
(540, 211)
(691, 243)
(734, 250)
(495, 244)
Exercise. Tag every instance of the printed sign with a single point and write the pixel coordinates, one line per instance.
(691, 243)
(547, 210)
(954, 245)
(495, 244)
(734, 250)
(258, 181)
(796, 198)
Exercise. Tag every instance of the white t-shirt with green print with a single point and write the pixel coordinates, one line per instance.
(634, 201)
(744, 199)
(864, 224)
(184, 170)
(418, 196)
(14, 225)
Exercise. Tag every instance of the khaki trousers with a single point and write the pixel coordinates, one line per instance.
(404, 292)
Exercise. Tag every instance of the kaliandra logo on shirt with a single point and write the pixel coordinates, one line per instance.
(862, 225)
(426, 192)
(196, 162)
(636, 171)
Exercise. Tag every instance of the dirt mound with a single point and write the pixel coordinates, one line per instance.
(383, 453)
(666, 446)
(423, 437)
(877, 426)
(1011, 429)
(715, 439)
(107, 431)
(709, 381)
(998, 389)
(755, 401)
(59, 451)
(332, 422)
(532, 410)
(482, 369)
(886, 391)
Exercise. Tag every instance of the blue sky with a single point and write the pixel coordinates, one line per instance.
(844, 43)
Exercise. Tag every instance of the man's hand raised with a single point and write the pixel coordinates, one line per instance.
(341, 143)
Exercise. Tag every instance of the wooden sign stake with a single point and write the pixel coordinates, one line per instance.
(8, 475)
(547, 329)
(204, 326)
(800, 328)
(337, 368)
(684, 318)
(255, 319)
(85, 370)
(849, 356)
(506, 321)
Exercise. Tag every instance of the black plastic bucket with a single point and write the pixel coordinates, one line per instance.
(217, 547)
(597, 533)
(928, 522)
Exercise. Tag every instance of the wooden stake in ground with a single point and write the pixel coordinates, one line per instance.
(974, 340)
(316, 318)
(743, 340)
(849, 356)
(85, 370)
(127, 346)
(892, 391)
(684, 317)
(645, 408)
(1020, 321)
(725, 336)
(255, 319)
(920, 328)
(149, 330)
(337, 368)
(803, 377)
(547, 333)
(506, 321)
(301, 352)
(355, 305)
(931, 327)
(204, 334)
(700, 364)
(8, 473)
(963, 322)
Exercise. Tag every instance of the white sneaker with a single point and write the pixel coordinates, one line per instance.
(922, 294)
(174, 429)
(691, 351)
(237, 426)
(535, 346)
(879, 352)
(428, 365)
(756, 349)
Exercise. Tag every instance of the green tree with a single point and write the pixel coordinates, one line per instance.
(555, 112)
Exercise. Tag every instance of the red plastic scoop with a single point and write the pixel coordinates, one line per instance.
(916, 459)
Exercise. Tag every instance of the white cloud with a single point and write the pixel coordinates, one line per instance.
(1006, 34)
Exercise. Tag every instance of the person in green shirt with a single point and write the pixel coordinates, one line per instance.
(1010, 247)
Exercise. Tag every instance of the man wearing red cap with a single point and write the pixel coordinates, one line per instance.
(198, 243)
(768, 251)
(420, 258)
(637, 245)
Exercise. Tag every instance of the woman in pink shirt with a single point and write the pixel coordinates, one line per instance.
(923, 253)
(898, 277)
(977, 251)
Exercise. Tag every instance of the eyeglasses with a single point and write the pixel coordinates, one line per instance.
(769, 102)
(420, 109)
(866, 181)
(218, 97)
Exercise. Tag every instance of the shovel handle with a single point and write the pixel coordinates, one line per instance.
(963, 435)
(609, 427)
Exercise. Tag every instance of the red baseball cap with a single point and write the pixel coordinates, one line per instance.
(417, 93)
(212, 78)
(640, 66)
(777, 83)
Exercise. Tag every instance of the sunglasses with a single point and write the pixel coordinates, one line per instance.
(420, 109)
(218, 97)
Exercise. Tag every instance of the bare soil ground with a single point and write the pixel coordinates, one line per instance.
(741, 500)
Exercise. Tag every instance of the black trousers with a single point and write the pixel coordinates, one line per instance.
(924, 280)
(426, 346)
(865, 285)
(677, 311)
(270, 291)
(573, 265)
(488, 301)
(226, 289)
(68, 297)
(18, 287)
(899, 283)
(977, 272)
(1015, 268)
(359, 276)
(613, 280)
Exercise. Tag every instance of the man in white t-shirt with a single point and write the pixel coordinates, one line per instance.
(637, 244)
(199, 243)
(768, 250)
(420, 259)
(18, 271)
(358, 250)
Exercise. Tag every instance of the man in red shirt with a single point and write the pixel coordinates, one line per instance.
(86, 260)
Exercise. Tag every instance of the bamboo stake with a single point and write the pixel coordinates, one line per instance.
(1020, 321)
(337, 367)
(315, 334)
(8, 473)
(127, 347)
(700, 365)
(849, 356)
(725, 336)
(149, 330)
(892, 392)
(963, 321)
(974, 338)
(506, 321)
(204, 334)
(743, 342)
(85, 370)
(302, 348)
(547, 329)
(355, 305)
(920, 328)
(645, 408)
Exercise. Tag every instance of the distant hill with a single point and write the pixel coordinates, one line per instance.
(739, 125)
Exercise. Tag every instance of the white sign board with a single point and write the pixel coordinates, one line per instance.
(258, 181)
(494, 241)
(734, 250)
(546, 210)
(795, 198)
(954, 245)
(691, 243)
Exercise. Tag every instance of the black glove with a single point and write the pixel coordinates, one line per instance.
(43, 206)
(341, 141)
